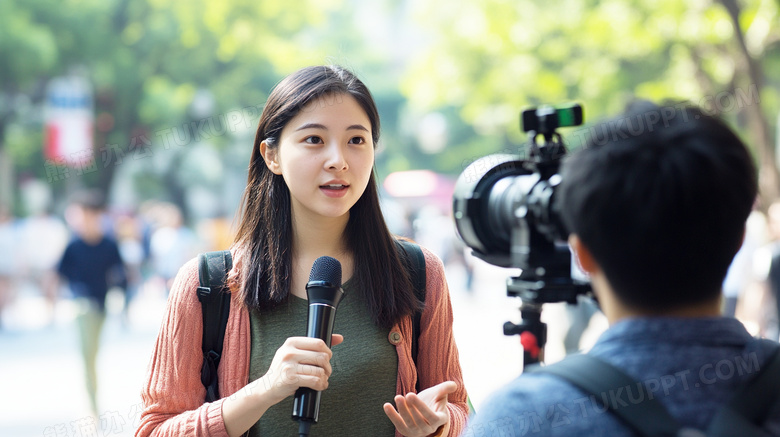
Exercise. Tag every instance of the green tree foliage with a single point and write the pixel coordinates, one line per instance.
(168, 74)
(493, 58)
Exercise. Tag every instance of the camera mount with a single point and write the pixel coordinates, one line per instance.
(505, 211)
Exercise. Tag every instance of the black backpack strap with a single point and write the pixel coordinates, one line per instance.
(752, 403)
(598, 378)
(414, 259)
(214, 297)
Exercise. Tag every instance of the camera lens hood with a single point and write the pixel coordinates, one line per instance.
(485, 231)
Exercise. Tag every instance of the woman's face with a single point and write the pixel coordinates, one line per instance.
(325, 155)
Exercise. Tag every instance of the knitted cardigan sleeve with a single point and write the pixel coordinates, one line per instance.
(173, 394)
(438, 358)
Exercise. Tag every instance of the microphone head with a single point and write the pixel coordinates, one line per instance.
(326, 269)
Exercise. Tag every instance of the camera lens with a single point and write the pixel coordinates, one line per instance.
(486, 200)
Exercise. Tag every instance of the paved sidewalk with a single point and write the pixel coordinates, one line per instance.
(44, 379)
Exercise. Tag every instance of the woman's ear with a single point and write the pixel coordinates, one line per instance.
(271, 158)
(583, 255)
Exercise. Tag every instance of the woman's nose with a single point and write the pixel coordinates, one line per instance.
(337, 159)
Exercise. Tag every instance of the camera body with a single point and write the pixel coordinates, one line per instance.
(505, 210)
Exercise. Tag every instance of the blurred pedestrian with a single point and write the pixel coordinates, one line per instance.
(90, 265)
(42, 239)
(773, 277)
(130, 239)
(216, 232)
(8, 258)
(436, 231)
(579, 315)
(172, 243)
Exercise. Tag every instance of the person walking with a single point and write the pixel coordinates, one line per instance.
(90, 265)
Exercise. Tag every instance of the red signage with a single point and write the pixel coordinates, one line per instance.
(69, 121)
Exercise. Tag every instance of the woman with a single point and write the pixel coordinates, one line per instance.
(312, 192)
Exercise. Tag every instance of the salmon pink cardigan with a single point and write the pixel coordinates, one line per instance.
(173, 395)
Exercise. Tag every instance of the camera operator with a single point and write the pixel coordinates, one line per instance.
(656, 210)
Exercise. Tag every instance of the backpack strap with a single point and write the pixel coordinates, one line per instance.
(752, 403)
(414, 259)
(214, 297)
(599, 378)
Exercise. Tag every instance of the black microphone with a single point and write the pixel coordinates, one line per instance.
(324, 293)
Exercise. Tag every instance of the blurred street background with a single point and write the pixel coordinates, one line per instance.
(154, 104)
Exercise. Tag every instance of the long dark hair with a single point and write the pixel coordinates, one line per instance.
(264, 238)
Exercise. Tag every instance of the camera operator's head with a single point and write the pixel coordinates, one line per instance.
(656, 203)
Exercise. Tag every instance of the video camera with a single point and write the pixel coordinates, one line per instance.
(505, 211)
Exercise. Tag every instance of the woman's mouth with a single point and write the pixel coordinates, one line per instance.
(334, 190)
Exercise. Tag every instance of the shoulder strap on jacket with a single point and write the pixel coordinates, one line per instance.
(414, 259)
(605, 382)
(214, 297)
(752, 403)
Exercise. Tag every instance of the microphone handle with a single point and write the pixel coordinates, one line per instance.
(306, 405)
(320, 323)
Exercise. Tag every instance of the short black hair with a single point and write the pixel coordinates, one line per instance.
(660, 197)
(91, 199)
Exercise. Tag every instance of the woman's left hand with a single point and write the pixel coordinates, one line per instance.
(420, 415)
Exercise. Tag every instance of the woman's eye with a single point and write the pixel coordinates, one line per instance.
(357, 140)
(313, 140)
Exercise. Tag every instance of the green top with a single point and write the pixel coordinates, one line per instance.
(365, 370)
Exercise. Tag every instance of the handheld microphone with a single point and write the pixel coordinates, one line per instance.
(324, 293)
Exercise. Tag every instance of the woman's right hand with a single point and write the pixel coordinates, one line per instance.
(300, 362)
